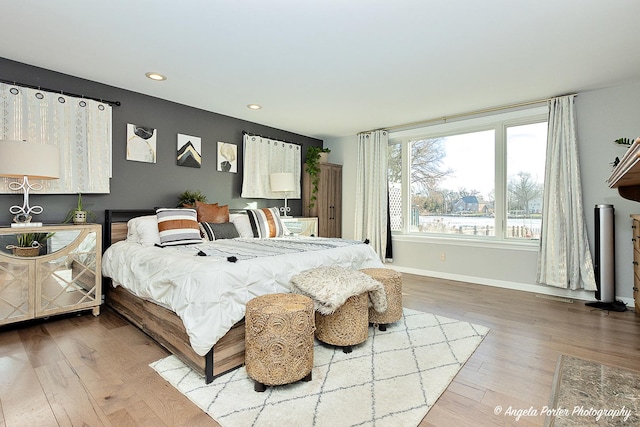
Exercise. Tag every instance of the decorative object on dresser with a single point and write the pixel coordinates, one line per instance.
(66, 279)
(79, 214)
(626, 173)
(29, 244)
(25, 160)
(283, 182)
(327, 206)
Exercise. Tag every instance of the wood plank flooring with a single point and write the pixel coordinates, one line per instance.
(86, 370)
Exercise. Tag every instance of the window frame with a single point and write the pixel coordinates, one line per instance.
(499, 123)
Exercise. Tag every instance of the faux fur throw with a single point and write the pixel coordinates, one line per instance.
(330, 287)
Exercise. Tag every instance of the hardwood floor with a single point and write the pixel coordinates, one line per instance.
(86, 370)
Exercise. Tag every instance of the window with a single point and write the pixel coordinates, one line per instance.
(479, 178)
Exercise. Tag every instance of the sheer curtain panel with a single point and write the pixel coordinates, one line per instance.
(564, 259)
(264, 156)
(371, 190)
(80, 128)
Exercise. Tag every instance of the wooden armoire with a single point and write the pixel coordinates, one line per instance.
(328, 204)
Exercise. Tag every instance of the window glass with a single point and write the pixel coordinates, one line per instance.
(478, 179)
(526, 151)
(452, 184)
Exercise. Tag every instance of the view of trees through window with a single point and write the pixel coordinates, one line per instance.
(456, 188)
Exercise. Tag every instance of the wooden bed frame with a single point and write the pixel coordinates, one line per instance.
(163, 325)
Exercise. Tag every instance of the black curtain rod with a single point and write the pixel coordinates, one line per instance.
(14, 83)
(244, 132)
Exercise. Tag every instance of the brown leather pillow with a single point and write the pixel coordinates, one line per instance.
(212, 213)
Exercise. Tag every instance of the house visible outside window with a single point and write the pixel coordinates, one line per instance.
(473, 179)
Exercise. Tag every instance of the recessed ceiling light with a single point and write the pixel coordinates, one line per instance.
(155, 76)
(254, 106)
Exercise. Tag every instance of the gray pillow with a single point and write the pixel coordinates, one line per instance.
(225, 230)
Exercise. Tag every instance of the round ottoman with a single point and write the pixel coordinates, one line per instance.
(348, 325)
(279, 339)
(392, 282)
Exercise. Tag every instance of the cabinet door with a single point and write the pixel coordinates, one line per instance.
(16, 292)
(66, 280)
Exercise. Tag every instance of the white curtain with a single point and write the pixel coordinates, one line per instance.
(564, 259)
(264, 156)
(371, 190)
(81, 128)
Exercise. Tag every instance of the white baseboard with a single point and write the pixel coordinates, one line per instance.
(537, 289)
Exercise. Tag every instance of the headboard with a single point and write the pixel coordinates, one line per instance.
(115, 224)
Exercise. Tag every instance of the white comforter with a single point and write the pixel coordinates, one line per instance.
(209, 293)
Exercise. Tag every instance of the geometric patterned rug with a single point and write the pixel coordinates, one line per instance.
(392, 379)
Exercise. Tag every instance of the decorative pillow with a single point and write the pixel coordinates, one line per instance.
(219, 231)
(265, 222)
(212, 213)
(178, 226)
(143, 230)
(242, 223)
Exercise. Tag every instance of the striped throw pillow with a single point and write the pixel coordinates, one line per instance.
(178, 226)
(265, 222)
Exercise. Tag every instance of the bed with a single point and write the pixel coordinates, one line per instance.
(191, 298)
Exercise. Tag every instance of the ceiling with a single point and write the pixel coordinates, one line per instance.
(330, 68)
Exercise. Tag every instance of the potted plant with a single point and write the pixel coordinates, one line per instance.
(79, 214)
(29, 244)
(312, 167)
(188, 198)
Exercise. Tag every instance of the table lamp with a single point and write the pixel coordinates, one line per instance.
(25, 161)
(282, 183)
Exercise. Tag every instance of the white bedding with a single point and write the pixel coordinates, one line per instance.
(209, 293)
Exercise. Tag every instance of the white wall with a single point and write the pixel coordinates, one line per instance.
(603, 115)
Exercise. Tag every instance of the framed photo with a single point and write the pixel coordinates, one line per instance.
(227, 157)
(141, 143)
(189, 152)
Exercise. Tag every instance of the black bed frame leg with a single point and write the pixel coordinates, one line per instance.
(382, 327)
(259, 387)
(347, 349)
(308, 377)
(208, 367)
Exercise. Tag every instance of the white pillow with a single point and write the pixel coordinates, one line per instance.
(143, 230)
(241, 221)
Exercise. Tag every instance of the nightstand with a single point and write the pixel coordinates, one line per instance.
(301, 226)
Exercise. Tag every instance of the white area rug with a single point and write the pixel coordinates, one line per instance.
(392, 379)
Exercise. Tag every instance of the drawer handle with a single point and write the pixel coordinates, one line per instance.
(635, 262)
(635, 289)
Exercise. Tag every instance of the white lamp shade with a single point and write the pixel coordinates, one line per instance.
(282, 182)
(37, 161)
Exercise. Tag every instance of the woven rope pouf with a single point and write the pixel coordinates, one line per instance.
(348, 325)
(392, 282)
(279, 339)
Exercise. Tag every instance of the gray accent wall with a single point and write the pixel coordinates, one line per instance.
(603, 115)
(137, 185)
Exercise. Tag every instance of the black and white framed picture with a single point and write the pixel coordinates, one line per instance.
(189, 151)
(227, 157)
(141, 143)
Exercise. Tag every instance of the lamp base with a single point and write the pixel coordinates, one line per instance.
(25, 224)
